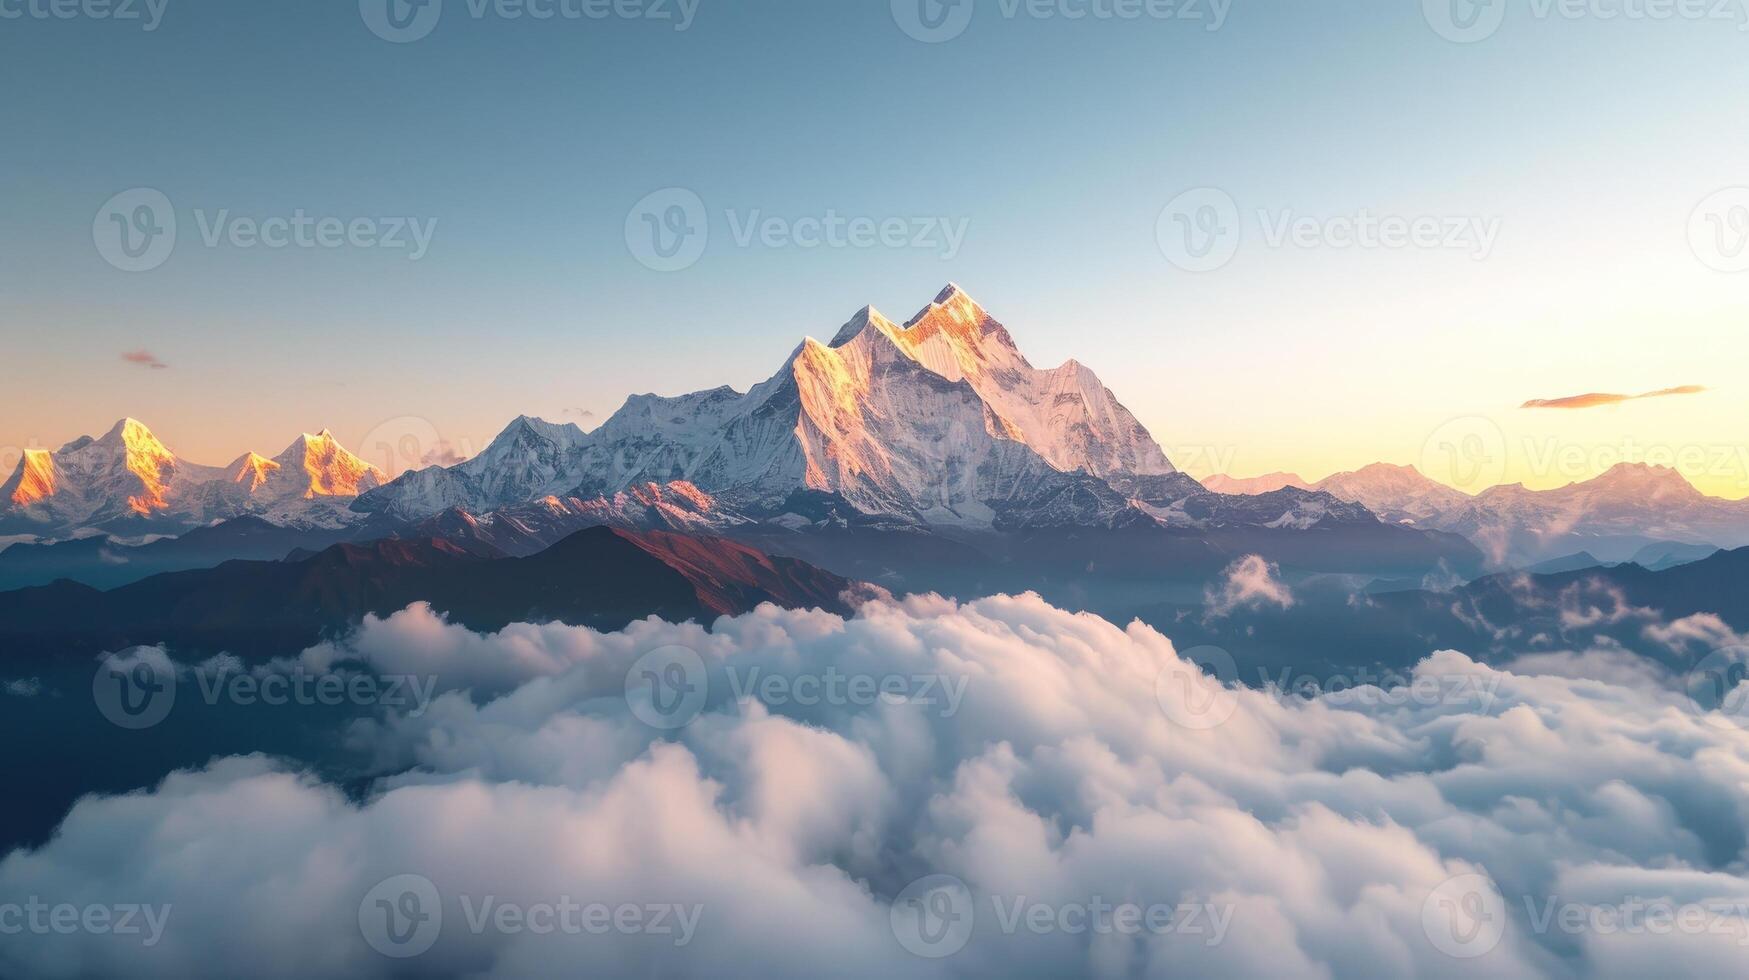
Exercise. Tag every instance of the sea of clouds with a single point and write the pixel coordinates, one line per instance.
(1089, 805)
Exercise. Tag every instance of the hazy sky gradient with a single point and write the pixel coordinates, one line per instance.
(1057, 142)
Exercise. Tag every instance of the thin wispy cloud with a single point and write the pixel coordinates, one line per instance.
(1595, 399)
(442, 454)
(144, 358)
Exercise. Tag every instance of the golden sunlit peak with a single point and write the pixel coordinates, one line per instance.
(254, 470)
(332, 471)
(134, 434)
(36, 478)
(148, 460)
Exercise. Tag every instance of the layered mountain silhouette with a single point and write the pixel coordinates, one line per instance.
(1625, 608)
(601, 577)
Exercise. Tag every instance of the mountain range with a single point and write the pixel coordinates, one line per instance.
(930, 454)
(128, 481)
(937, 423)
(599, 577)
(1613, 516)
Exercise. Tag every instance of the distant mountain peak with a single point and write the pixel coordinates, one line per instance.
(563, 433)
(1660, 482)
(941, 420)
(35, 479)
(328, 469)
(957, 304)
(253, 470)
(867, 318)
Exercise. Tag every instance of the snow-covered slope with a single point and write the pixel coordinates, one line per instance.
(1613, 514)
(1395, 493)
(125, 475)
(1632, 502)
(529, 460)
(942, 420)
(311, 484)
(127, 478)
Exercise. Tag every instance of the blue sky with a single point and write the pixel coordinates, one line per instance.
(1586, 142)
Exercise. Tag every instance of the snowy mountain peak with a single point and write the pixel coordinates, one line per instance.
(127, 476)
(941, 419)
(528, 427)
(867, 318)
(958, 318)
(252, 471)
(326, 469)
(35, 479)
(957, 304)
(1645, 480)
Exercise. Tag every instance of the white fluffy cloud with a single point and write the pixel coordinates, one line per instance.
(1249, 583)
(1310, 838)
